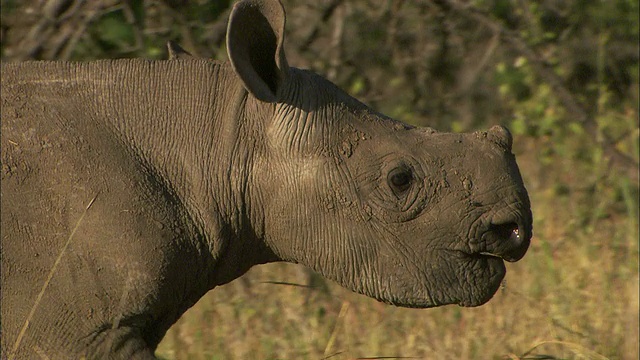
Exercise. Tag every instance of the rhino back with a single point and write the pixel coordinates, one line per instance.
(121, 136)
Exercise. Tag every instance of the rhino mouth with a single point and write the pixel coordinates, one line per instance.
(507, 241)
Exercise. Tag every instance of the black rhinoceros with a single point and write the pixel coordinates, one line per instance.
(130, 188)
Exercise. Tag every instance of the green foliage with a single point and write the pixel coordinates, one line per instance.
(8, 6)
(205, 12)
(124, 30)
(514, 80)
(113, 32)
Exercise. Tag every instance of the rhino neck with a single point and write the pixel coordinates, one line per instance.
(180, 121)
(195, 125)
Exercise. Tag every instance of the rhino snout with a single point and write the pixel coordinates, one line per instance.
(506, 241)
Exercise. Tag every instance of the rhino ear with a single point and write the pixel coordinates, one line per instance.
(177, 52)
(255, 37)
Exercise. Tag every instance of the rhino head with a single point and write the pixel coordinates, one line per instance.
(407, 215)
(198, 170)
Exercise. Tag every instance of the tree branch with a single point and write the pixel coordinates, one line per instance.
(616, 158)
(327, 12)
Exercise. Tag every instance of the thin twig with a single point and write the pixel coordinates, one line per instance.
(327, 12)
(576, 348)
(336, 43)
(16, 345)
(334, 333)
(288, 284)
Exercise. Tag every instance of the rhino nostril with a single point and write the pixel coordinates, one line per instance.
(509, 232)
(508, 241)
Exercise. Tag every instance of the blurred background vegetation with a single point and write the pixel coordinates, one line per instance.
(561, 74)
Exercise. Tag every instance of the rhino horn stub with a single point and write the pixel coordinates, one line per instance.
(255, 37)
(500, 136)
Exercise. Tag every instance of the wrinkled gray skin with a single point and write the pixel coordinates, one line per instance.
(130, 188)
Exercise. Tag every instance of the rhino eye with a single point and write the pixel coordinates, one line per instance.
(399, 179)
